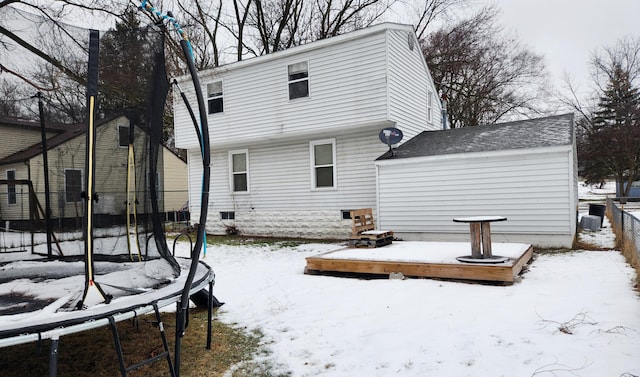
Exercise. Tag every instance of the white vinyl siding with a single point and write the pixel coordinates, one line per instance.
(349, 79)
(423, 195)
(408, 91)
(290, 191)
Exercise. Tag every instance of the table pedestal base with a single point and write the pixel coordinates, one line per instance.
(491, 260)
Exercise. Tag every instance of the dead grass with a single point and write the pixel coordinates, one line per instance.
(92, 353)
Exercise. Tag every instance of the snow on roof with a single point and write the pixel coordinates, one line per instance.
(524, 134)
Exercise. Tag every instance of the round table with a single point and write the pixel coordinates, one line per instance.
(480, 228)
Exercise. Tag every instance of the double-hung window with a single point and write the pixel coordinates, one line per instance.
(12, 197)
(214, 97)
(239, 170)
(323, 164)
(298, 80)
(72, 185)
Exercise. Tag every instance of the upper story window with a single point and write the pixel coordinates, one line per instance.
(239, 170)
(323, 164)
(12, 197)
(298, 80)
(123, 136)
(429, 106)
(214, 97)
(72, 185)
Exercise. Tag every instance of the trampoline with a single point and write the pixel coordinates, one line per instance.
(107, 281)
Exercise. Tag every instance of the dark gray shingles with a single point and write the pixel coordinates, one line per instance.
(531, 133)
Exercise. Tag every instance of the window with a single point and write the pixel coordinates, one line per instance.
(12, 198)
(298, 80)
(429, 106)
(72, 185)
(214, 96)
(323, 167)
(156, 184)
(228, 215)
(123, 136)
(239, 170)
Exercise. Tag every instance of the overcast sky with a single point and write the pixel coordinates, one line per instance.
(567, 32)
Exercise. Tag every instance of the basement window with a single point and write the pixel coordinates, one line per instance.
(227, 215)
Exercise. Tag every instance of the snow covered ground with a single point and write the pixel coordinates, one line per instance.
(573, 313)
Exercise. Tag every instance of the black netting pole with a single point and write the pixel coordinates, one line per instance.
(204, 203)
(157, 100)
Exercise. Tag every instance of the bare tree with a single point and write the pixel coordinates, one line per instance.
(335, 17)
(484, 74)
(429, 11)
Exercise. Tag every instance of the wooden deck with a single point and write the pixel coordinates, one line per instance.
(423, 259)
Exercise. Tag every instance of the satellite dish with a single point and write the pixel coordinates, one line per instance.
(390, 136)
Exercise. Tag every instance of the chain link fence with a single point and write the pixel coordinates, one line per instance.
(627, 228)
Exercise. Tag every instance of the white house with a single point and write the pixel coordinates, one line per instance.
(525, 171)
(294, 134)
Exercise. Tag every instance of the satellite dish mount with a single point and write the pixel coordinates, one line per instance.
(390, 136)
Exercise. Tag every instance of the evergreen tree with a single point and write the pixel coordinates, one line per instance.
(618, 104)
(612, 147)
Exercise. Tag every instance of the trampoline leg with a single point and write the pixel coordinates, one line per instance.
(116, 340)
(53, 357)
(209, 314)
(164, 340)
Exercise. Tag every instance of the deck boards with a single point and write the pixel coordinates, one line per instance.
(423, 259)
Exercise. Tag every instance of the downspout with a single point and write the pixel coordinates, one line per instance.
(443, 101)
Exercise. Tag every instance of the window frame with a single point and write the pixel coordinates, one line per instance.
(313, 166)
(291, 81)
(126, 141)
(11, 188)
(232, 173)
(66, 191)
(216, 96)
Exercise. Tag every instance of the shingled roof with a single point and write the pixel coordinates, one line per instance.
(524, 134)
(67, 133)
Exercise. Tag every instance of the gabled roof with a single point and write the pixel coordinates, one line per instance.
(310, 46)
(30, 124)
(69, 132)
(523, 134)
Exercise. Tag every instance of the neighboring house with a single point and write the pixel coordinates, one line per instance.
(524, 170)
(634, 192)
(294, 134)
(66, 160)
